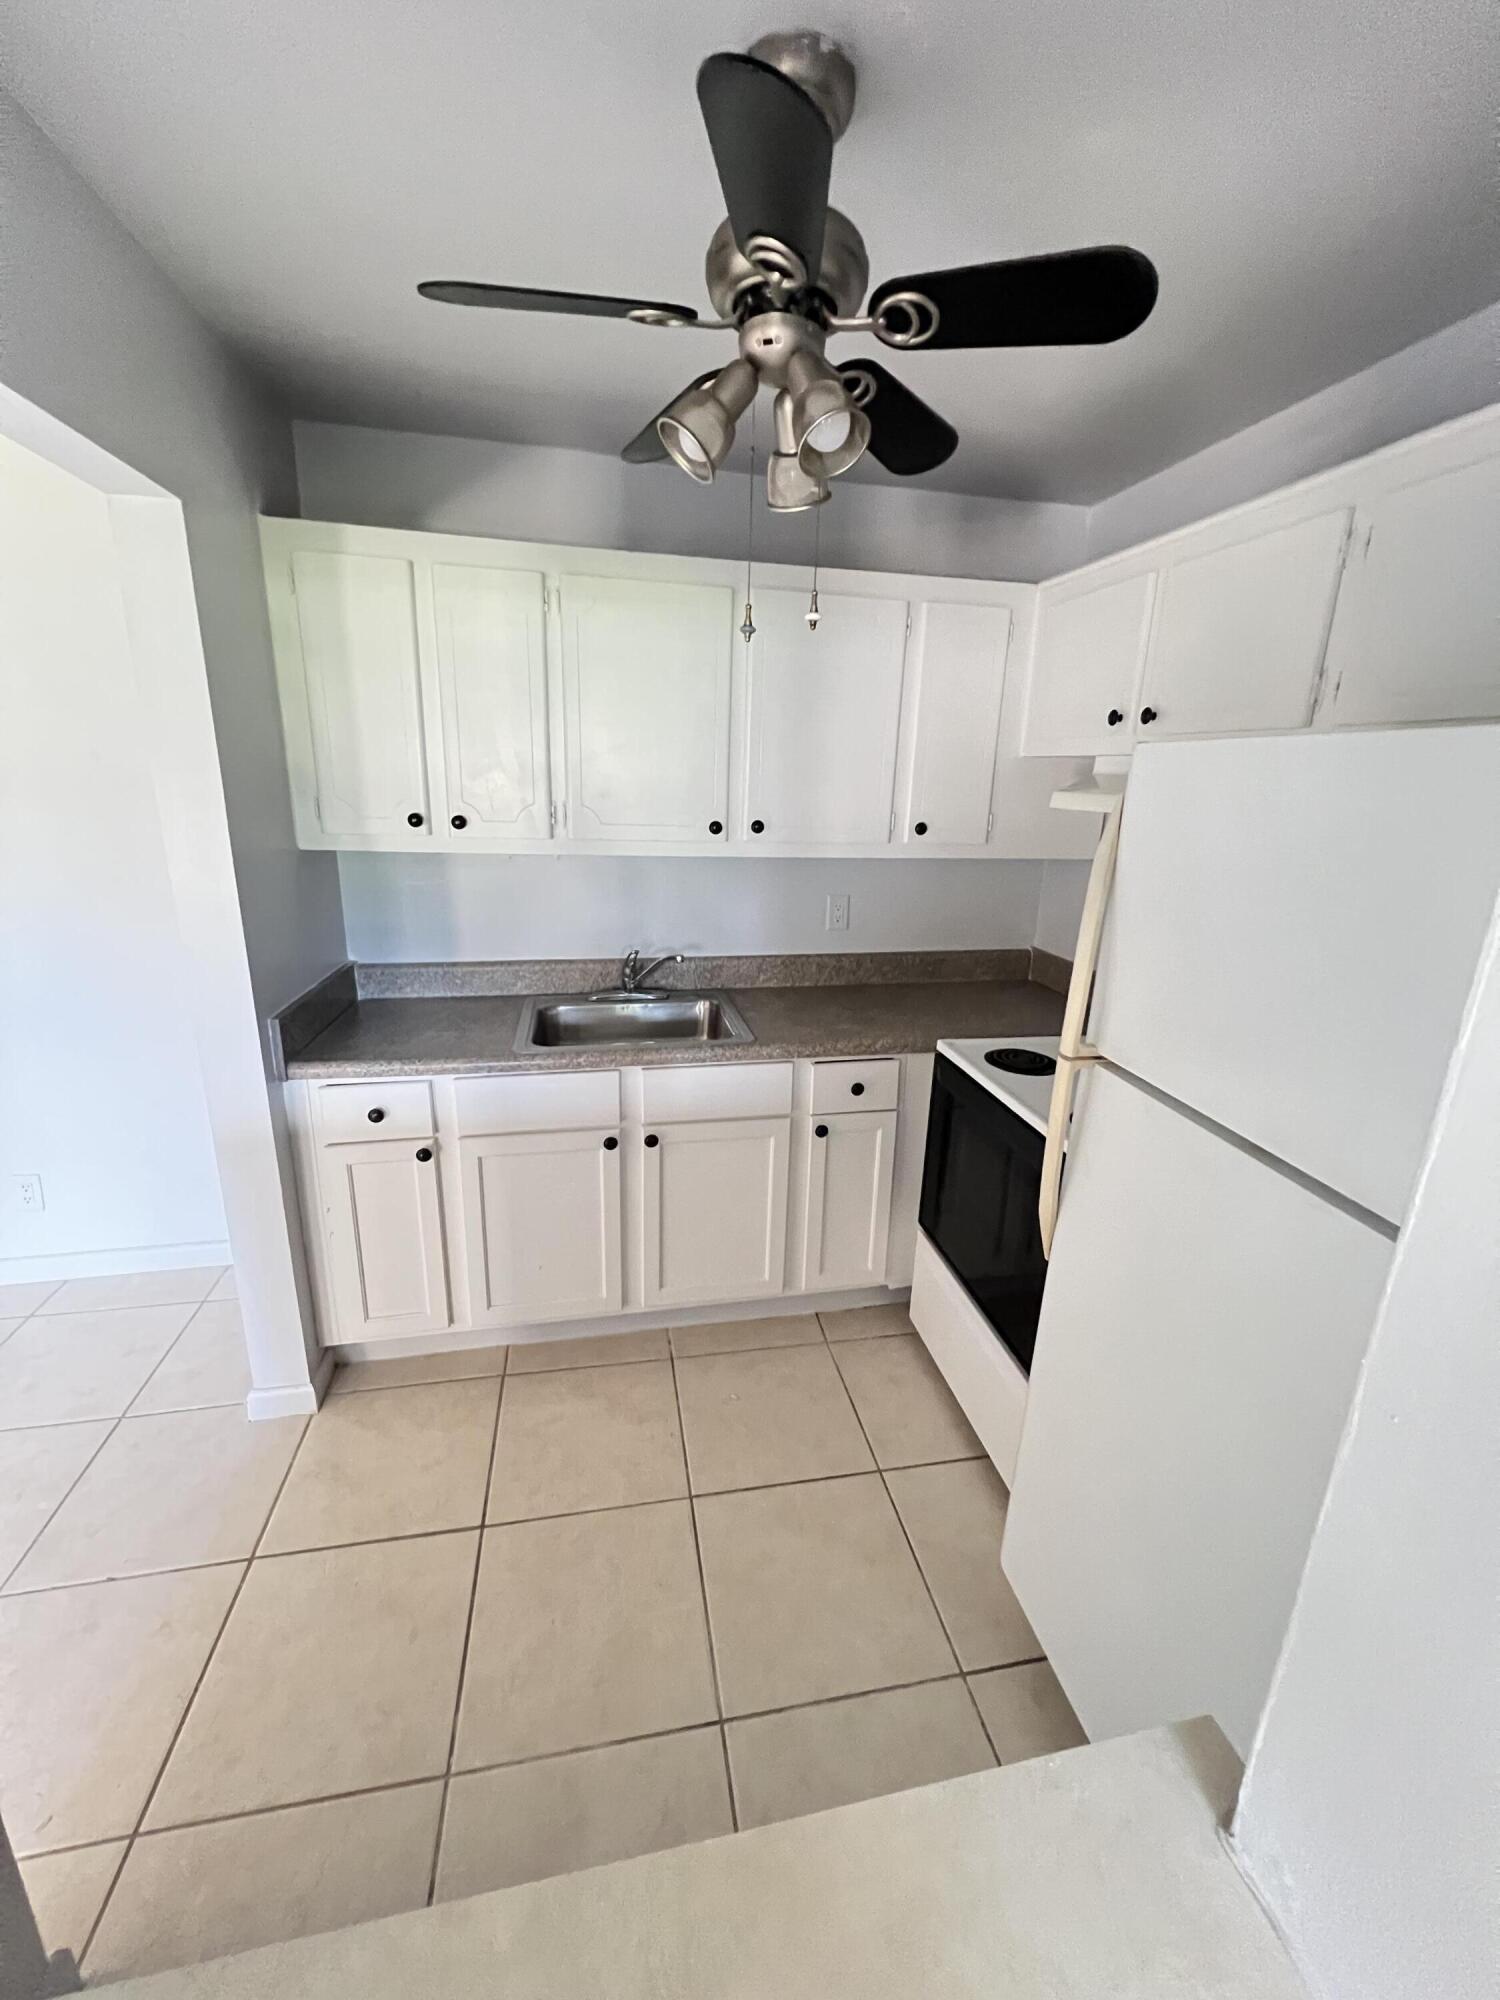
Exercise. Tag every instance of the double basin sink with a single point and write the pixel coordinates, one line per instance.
(601, 1020)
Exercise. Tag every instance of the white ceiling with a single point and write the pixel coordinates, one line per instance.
(1315, 180)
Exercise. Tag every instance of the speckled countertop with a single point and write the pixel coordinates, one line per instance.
(467, 1035)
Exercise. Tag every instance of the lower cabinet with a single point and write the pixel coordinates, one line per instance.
(713, 1210)
(542, 1226)
(851, 1156)
(388, 1264)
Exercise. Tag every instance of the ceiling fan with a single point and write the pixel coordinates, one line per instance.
(784, 271)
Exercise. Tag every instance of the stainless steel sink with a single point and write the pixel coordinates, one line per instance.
(574, 1023)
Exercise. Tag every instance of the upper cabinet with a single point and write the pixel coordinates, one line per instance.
(824, 719)
(956, 677)
(350, 623)
(646, 674)
(1370, 594)
(1090, 643)
(1418, 633)
(1240, 631)
(447, 693)
(491, 647)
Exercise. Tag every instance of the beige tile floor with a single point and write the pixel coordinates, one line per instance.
(475, 1623)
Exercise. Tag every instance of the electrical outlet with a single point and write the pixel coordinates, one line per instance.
(837, 918)
(26, 1191)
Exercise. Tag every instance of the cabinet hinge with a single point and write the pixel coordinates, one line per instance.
(890, 832)
(989, 826)
(908, 621)
(291, 579)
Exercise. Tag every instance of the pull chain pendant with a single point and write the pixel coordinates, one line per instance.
(812, 613)
(747, 629)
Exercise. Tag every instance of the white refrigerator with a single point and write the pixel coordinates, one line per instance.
(1266, 997)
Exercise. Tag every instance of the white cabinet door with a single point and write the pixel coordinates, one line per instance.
(825, 709)
(1417, 633)
(958, 677)
(357, 628)
(1240, 633)
(646, 688)
(492, 681)
(713, 1210)
(1090, 645)
(384, 1221)
(850, 1160)
(542, 1225)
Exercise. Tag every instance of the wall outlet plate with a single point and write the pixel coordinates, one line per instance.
(26, 1193)
(837, 918)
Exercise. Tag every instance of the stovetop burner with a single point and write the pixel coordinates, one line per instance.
(1021, 1062)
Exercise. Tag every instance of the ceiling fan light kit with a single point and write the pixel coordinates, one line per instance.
(785, 272)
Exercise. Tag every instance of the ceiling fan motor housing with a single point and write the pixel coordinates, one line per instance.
(842, 280)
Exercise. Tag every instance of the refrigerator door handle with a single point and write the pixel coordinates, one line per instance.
(1059, 1114)
(1090, 931)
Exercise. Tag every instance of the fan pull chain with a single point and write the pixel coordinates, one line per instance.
(747, 629)
(813, 614)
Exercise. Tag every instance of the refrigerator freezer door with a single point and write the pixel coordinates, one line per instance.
(1201, 1331)
(1292, 933)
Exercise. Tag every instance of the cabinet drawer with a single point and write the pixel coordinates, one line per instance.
(857, 1086)
(717, 1090)
(374, 1110)
(538, 1103)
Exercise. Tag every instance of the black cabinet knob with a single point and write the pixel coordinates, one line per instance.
(716, 826)
(652, 1140)
(856, 1090)
(375, 1116)
(413, 819)
(757, 826)
(820, 1131)
(424, 1154)
(1148, 715)
(459, 821)
(1115, 717)
(610, 1144)
(920, 827)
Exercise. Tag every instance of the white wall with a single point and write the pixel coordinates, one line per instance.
(1060, 906)
(1370, 1814)
(100, 1090)
(400, 479)
(428, 906)
(101, 347)
(1445, 376)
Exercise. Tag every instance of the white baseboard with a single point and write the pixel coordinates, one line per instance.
(113, 1263)
(298, 1399)
(458, 1338)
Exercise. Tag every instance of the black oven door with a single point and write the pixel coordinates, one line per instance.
(980, 1182)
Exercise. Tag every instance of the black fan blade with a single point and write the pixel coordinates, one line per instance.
(905, 435)
(774, 153)
(646, 446)
(520, 298)
(1073, 298)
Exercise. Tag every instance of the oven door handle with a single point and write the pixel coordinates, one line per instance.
(1059, 1115)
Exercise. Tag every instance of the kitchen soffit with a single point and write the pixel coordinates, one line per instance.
(1315, 185)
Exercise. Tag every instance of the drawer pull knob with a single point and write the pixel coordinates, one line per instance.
(757, 826)
(375, 1116)
(920, 827)
(424, 1154)
(856, 1090)
(652, 1140)
(1114, 718)
(1148, 715)
(820, 1131)
(459, 821)
(610, 1144)
(413, 819)
(716, 826)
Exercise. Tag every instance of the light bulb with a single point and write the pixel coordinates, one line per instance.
(691, 446)
(829, 433)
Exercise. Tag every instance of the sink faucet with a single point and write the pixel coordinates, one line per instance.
(633, 975)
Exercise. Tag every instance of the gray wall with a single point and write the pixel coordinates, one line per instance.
(532, 493)
(1370, 1814)
(1446, 376)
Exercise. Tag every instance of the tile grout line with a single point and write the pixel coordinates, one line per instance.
(708, 1624)
(52, 1516)
(187, 1707)
(463, 1658)
(171, 1349)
